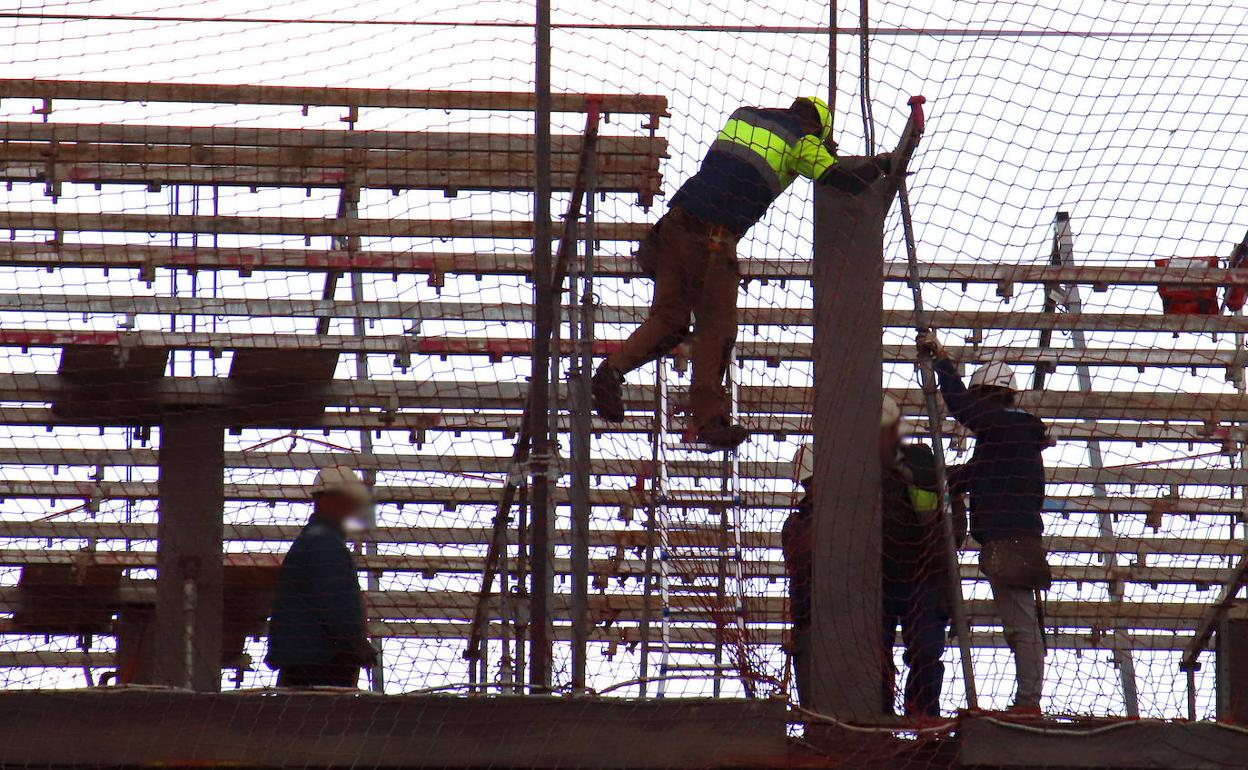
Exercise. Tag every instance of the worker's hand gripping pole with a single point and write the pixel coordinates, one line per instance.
(909, 143)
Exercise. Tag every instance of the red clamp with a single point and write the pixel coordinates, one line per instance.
(593, 106)
(916, 111)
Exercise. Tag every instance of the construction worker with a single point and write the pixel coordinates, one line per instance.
(796, 541)
(1005, 479)
(915, 571)
(692, 252)
(317, 635)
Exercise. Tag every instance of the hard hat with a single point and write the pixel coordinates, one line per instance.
(825, 116)
(804, 462)
(341, 480)
(994, 374)
(890, 414)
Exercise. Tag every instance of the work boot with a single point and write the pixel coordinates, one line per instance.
(1025, 707)
(608, 393)
(721, 434)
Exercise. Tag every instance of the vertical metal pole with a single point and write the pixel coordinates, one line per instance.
(1063, 255)
(663, 528)
(1191, 693)
(541, 579)
(832, 56)
(582, 326)
(928, 376)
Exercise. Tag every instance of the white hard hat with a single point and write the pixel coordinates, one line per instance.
(804, 462)
(890, 413)
(341, 480)
(996, 374)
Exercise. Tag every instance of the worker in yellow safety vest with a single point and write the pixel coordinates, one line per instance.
(691, 251)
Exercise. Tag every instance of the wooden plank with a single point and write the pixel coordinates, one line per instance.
(412, 605)
(160, 157)
(56, 135)
(644, 183)
(521, 347)
(419, 425)
(622, 266)
(288, 730)
(1210, 409)
(771, 569)
(301, 96)
(618, 634)
(299, 226)
(1140, 548)
(607, 314)
(476, 465)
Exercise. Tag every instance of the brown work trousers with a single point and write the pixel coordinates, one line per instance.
(694, 265)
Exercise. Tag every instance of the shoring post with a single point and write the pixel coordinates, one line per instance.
(540, 575)
(582, 327)
(928, 376)
(1063, 255)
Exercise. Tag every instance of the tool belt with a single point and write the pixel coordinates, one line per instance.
(1016, 562)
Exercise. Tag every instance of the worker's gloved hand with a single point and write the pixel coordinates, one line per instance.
(929, 346)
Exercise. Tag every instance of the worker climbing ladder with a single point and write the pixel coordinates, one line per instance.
(697, 559)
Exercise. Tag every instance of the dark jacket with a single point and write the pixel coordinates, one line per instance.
(913, 539)
(914, 535)
(1005, 477)
(728, 191)
(318, 611)
(797, 543)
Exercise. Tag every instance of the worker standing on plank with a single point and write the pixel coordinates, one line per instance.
(797, 544)
(915, 570)
(692, 252)
(915, 576)
(1006, 483)
(317, 635)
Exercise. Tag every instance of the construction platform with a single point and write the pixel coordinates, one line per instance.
(152, 727)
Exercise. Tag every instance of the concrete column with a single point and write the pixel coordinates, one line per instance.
(187, 628)
(846, 662)
(1231, 646)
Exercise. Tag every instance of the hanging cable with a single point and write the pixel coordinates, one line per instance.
(864, 77)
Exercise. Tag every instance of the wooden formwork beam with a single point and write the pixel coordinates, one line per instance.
(645, 184)
(609, 568)
(311, 227)
(318, 139)
(619, 314)
(459, 606)
(476, 465)
(1140, 548)
(1207, 408)
(618, 634)
(17, 253)
(418, 425)
(303, 96)
(521, 347)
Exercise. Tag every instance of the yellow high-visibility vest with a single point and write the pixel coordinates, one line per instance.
(774, 149)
